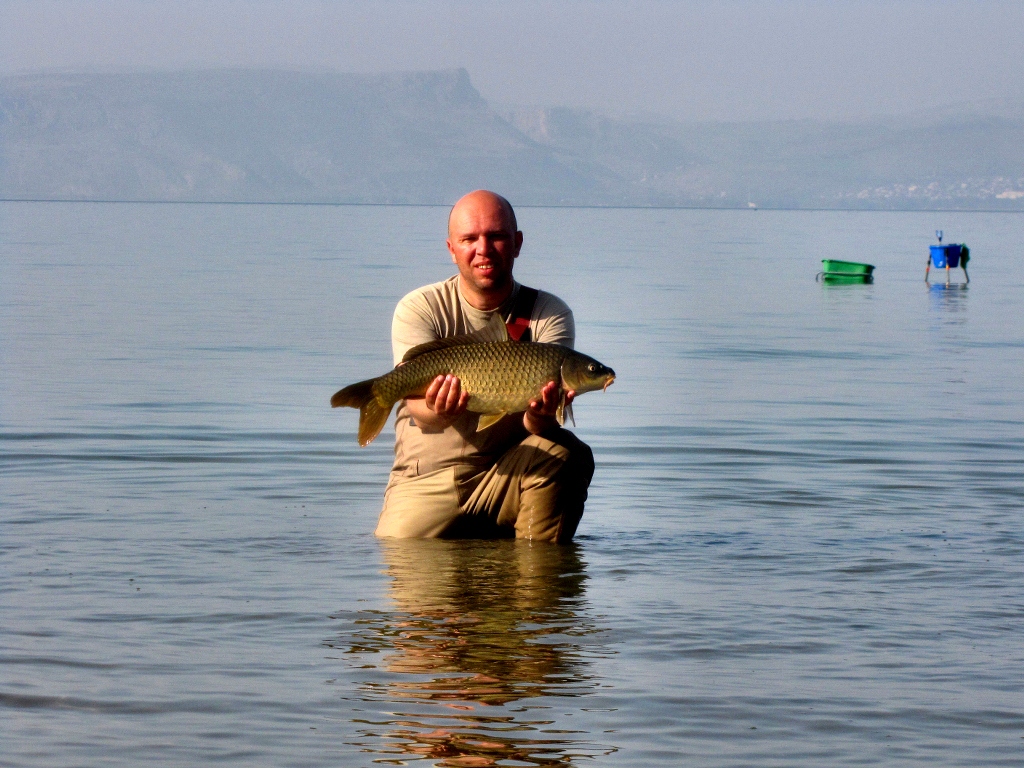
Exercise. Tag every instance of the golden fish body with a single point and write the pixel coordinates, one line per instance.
(500, 376)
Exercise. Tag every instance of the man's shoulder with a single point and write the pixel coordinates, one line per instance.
(442, 293)
(425, 314)
(551, 320)
(549, 304)
(434, 305)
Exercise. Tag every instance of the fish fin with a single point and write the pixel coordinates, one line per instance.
(495, 330)
(564, 408)
(372, 414)
(372, 418)
(487, 419)
(354, 395)
(498, 327)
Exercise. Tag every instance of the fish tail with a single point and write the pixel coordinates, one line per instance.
(354, 395)
(372, 414)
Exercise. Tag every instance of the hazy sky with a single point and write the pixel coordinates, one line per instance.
(731, 59)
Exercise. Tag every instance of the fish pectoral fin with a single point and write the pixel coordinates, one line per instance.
(560, 410)
(567, 413)
(487, 419)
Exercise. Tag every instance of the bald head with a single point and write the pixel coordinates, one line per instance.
(484, 200)
(484, 242)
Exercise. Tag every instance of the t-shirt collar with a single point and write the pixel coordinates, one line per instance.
(504, 310)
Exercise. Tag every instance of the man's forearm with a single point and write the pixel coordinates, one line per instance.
(536, 424)
(426, 418)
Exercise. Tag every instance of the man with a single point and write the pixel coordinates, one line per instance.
(524, 476)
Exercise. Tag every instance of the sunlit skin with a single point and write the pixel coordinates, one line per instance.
(484, 244)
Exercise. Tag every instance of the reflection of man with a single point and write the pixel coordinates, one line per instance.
(475, 623)
(478, 624)
(524, 476)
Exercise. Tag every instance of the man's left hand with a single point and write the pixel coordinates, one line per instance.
(540, 415)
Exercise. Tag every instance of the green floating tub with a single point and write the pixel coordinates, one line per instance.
(845, 272)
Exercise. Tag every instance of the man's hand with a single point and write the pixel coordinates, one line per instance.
(445, 397)
(442, 403)
(540, 415)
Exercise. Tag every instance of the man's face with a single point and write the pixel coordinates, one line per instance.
(483, 244)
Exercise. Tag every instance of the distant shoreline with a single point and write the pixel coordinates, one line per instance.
(411, 138)
(518, 206)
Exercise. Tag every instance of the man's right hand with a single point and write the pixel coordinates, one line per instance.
(445, 397)
(442, 403)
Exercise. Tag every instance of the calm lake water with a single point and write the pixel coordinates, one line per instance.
(804, 544)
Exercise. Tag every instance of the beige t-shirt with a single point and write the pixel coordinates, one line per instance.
(436, 312)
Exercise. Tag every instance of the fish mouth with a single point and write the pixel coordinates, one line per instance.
(607, 383)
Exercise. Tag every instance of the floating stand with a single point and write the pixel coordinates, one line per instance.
(951, 255)
(835, 272)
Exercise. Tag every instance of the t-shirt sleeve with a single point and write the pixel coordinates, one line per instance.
(554, 322)
(412, 324)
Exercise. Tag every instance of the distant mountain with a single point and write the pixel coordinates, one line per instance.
(264, 136)
(427, 137)
(956, 159)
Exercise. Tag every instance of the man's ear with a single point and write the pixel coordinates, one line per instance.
(519, 243)
(451, 250)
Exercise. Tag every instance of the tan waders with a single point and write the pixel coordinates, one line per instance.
(536, 490)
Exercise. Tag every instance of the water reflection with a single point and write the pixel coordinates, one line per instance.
(949, 299)
(479, 635)
(856, 296)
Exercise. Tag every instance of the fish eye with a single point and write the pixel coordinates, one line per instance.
(592, 367)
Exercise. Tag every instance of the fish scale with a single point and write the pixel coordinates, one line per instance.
(500, 377)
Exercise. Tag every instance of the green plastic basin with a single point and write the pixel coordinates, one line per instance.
(833, 267)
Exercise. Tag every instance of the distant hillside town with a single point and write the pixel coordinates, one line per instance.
(427, 137)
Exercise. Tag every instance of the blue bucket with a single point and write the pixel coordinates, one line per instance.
(945, 255)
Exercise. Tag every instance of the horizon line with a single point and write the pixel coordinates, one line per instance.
(581, 206)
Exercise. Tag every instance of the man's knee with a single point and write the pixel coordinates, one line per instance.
(552, 509)
(583, 457)
(420, 507)
(578, 463)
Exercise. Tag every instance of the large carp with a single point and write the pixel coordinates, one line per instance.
(500, 376)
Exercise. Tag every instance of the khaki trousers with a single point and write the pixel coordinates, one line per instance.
(536, 490)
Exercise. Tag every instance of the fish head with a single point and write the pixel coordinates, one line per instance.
(585, 374)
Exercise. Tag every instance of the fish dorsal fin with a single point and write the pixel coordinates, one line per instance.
(495, 330)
